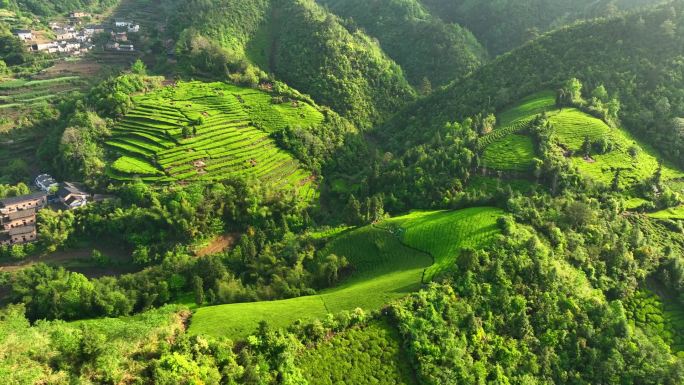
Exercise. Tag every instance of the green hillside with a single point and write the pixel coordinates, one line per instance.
(587, 51)
(423, 45)
(508, 148)
(505, 25)
(384, 269)
(209, 131)
(299, 42)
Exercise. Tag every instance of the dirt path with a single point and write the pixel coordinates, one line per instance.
(219, 244)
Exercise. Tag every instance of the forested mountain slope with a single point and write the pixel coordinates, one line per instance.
(635, 56)
(302, 44)
(424, 45)
(503, 25)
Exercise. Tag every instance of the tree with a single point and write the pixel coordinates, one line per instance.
(586, 147)
(352, 211)
(139, 68)
(198, 288)
(573, 90)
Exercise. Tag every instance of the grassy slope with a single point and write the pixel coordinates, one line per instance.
(444, 234)
(371, 355)
(385, 270)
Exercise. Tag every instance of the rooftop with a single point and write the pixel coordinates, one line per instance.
(23, 198)
(67, 188)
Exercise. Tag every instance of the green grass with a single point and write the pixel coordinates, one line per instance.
(671, 213)
(371, 355)
(384, 269)
(444, 234)
(511, 153)
(226, 134)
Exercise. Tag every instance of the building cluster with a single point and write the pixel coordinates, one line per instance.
(119, 36)
(18, 214)
(73, 38)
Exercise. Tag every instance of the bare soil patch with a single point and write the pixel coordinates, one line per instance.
(219, 244)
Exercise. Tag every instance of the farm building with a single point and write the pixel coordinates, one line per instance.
(126, 47)
(45, 182)
(112, 46)
(72, 196)
(122, 23)
(18, 218)
(134, 28)
(23, 34)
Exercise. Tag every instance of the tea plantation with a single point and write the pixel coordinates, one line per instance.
(509, 148)
(195, 131)
(389, 260)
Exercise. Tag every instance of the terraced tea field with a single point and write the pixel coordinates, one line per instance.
(444, 234)
(22, 93)
(385, 269)
(660, 316)
(528, 107)
(508, 148)
(572, 126)
(514, 152)
(671, 213)
(195, 131)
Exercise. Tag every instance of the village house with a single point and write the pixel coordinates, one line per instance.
(78, 15)
(23, 34)
(93, 29)
(121, 23)
(64, 33)
(119, 36)
(112, 46)
(72, 196)
(18, 218)
(45, 182)
(133, 28)
(20, 235)
(126, 47)
(25, 202)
